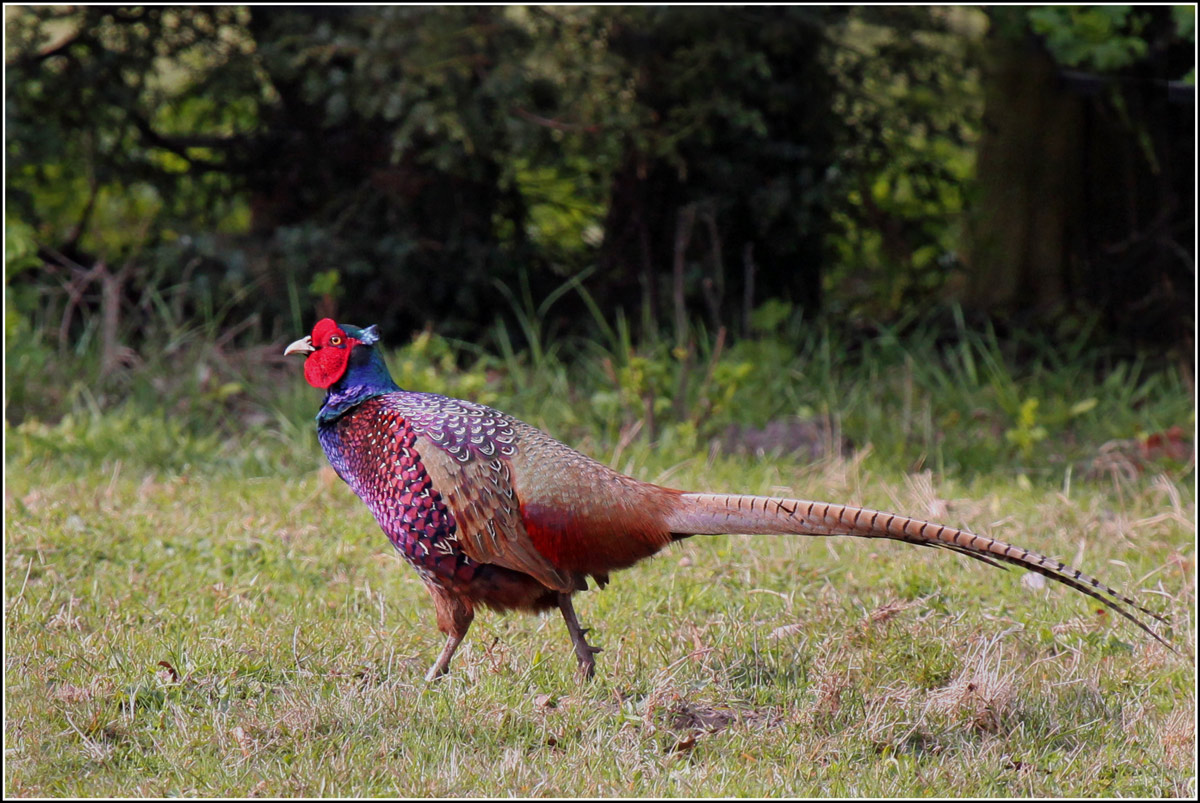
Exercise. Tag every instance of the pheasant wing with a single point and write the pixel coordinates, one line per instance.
(480, 496)
(466, 449)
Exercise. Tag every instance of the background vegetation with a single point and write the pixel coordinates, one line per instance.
(938, 260)
(404, 164)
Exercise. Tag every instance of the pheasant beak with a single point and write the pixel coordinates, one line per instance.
(302, 346)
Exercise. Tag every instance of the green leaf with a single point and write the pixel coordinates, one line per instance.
(1079, 408)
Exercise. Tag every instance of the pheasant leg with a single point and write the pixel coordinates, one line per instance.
(583, 651)
(442, 665)
(454, 615)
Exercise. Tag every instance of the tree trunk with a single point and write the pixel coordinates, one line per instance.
(1029, 171)
(1085, 198)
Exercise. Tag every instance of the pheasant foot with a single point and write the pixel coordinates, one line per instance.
(583, 651)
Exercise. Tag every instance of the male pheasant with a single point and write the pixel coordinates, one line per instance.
(492, 511)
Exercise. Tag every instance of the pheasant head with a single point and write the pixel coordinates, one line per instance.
(342, 360)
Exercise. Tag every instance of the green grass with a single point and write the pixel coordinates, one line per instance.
(207, 535)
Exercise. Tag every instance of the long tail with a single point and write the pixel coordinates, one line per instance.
(701, 514)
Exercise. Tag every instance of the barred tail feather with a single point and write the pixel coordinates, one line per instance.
(701, 514)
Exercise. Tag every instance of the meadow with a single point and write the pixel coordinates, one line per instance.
(196, 605)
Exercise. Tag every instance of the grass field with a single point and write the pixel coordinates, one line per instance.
(189, 613)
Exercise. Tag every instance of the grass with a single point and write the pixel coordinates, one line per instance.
(195, 605)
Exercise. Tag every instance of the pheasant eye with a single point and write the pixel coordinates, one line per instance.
(336, 340)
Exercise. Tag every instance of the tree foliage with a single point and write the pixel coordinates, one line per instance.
(434, 165)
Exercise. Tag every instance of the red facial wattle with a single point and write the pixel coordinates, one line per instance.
(331, 354)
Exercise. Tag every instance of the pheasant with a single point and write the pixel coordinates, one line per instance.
(492, 511)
